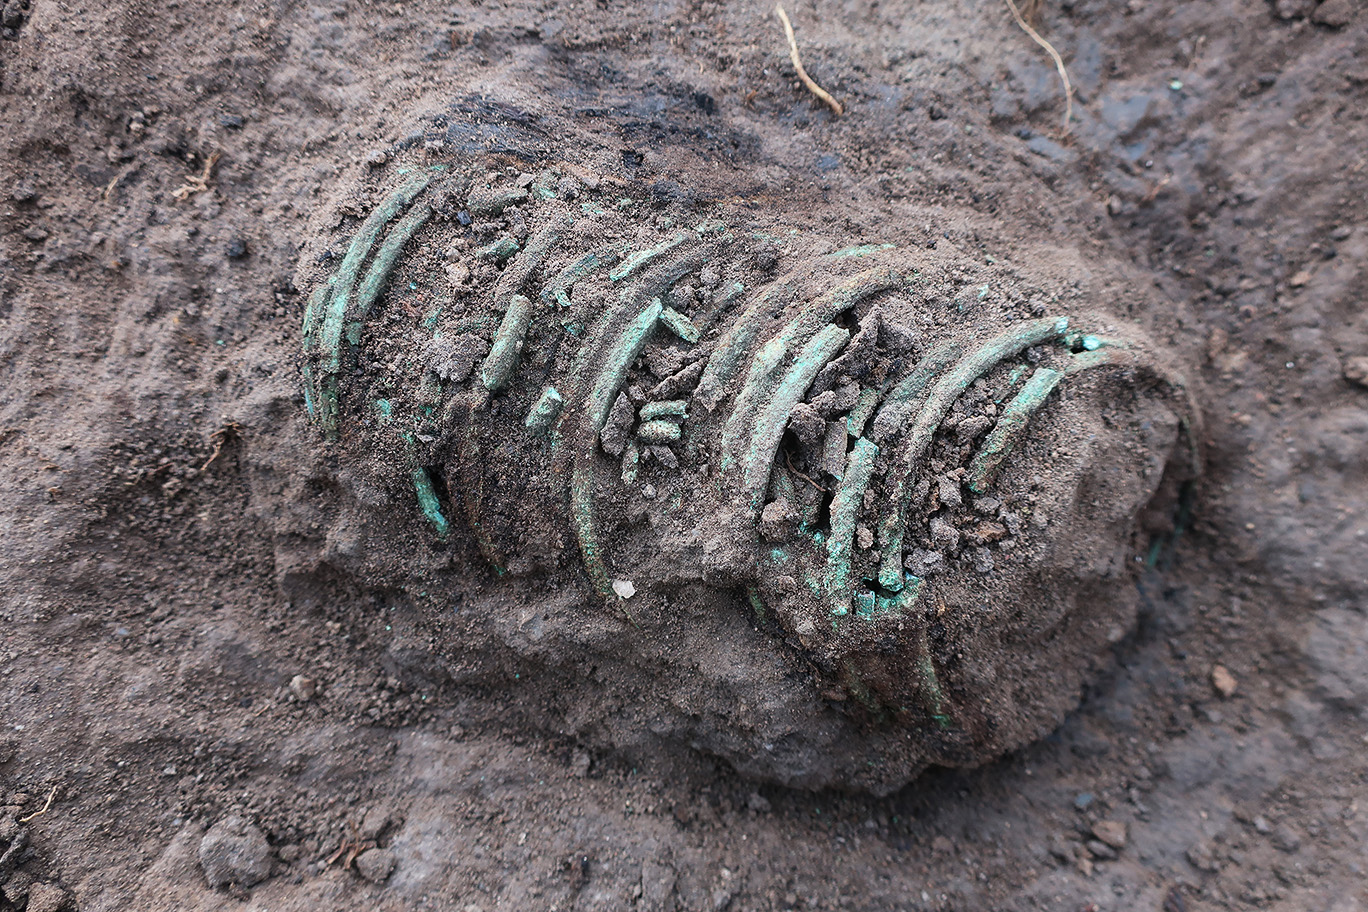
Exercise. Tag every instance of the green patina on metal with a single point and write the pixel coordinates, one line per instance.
(1102, 357)
(858, 689)
(764, 375)
(860, 250)
(1013, 378)
(863, 408)
(485, 201)
(766, 363)
(544, 411)
(863, 603)
(782, 487)
(428, 501)
(983, 470)
(895, 607)
(757, 604)
(586, 526)
(669, 408)
(318, 301)
(516, 274)
(382, 266)
(732, 292)
(1090, 342)
(845, 511)
(558, 289)
(725, 361)
(328, 333)
(659, 432)
(905, 398)
(589, 353)
(498, 250)
(631, 462)
(617, 361)
(680, 325)
(773, 416)
(502, 359)
(1122, 355)
(929, 689)
(639, 259)
(939, 399)
(327, 322)
(658, 280)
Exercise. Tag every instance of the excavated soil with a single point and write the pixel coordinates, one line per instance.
(185, 651)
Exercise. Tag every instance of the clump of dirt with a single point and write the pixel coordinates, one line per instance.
(580, 385)
(174, 562)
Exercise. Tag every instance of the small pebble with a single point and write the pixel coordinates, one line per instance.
(949, 491)
(304, 688)
(1286, 838)
(234, 852)
(376, 865)
(1100, 850)
(944, 536)
(458, 274)
(377, 820)
(1356, 370)
(46, 897)
(986, 505)
(1112, 832)
(1223, 681)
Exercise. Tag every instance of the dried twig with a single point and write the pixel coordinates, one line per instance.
(197, 183)
(44, 809)
(352, 846)
(813, 87)
(219, 438)
(1054, 55)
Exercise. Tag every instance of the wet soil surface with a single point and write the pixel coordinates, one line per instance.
(198, 713)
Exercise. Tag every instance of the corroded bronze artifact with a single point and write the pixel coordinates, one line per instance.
(926, 493)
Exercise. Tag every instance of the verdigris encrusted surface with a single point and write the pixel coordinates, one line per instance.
(908, 499)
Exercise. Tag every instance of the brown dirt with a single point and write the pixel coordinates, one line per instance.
(163, 579)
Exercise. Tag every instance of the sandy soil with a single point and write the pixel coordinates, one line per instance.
(162, 593)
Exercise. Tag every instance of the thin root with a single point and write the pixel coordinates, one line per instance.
(794, 470)
(1054, 55)
(812, 86)
(44, 809)
(219, 438)
(197, 183)
(352, 846)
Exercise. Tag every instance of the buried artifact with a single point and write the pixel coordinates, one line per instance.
(830, 509)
